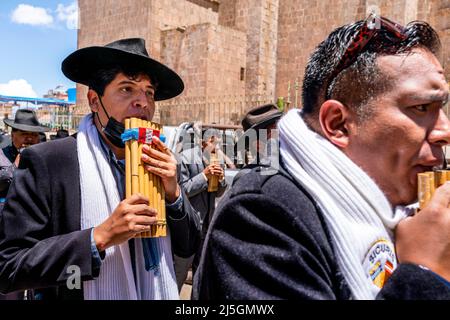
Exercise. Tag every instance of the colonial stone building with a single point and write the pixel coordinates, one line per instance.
(235, 54)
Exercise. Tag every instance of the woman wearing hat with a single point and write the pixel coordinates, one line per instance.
(77, 228)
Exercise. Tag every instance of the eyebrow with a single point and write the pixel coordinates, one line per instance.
(431, 97)
(133, 82)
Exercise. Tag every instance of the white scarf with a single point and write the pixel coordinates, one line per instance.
(356, 211)
(99, 198)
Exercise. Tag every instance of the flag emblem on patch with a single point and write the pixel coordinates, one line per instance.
(380, 262)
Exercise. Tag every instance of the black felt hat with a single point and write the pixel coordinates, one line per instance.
(261, 117)
(83, 63)
(26, 120)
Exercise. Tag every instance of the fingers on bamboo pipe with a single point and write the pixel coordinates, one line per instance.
(138, 179)
(213, 182)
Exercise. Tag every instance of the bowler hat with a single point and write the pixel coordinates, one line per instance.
(260, 117)
(26, 120)
(81, 65)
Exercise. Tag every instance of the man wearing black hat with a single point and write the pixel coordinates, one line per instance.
(76, 231)
(197, 170)
(25, 132)
(61, 133)
(259, 125)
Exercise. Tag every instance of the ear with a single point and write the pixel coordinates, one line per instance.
(334, 118)
(93, 100)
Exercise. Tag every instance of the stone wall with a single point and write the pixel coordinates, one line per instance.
(103, 21)
(241, 47)
(442, 24)
(303, 24)
(259, 20)
(210, 59)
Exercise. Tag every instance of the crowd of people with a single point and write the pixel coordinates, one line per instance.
(324, 210)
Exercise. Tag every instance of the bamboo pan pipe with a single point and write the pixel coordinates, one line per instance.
(213, 182)
(428, 182)
(139, 180)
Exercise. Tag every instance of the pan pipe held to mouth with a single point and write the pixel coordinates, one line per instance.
(137, 179)
(428, 182)
(213, 182)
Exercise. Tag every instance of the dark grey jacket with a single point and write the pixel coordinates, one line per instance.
(7, 168)
(268, 240)
(196, 186)
(40, 232)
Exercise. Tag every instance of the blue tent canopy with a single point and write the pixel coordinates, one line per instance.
(37, 101)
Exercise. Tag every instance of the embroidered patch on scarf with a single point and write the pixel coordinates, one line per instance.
(380, 262)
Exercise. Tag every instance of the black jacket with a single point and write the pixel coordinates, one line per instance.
(268, 240)
(40, 232)
(7, 167)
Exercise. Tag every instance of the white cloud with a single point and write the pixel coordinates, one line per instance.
(17, 88)
(35, 16)
(69, 14)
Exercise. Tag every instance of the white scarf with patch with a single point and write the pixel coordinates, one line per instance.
(99, 198)
(360, 218)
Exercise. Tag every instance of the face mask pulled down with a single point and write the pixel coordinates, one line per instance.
(113, 130)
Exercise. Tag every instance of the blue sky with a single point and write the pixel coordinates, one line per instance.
(35, 36)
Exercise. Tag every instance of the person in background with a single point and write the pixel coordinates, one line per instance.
(258, 150)
(25, 132)
(61, 133)
(196, 172)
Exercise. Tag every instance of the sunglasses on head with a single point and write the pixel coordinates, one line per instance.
(369, 30)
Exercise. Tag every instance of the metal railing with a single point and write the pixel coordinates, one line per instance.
(227, 110)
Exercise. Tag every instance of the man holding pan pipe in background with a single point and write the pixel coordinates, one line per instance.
(197, 172)
(323, 227)
(67, 215)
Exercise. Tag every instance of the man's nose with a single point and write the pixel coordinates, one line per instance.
(141, 100)
(440, 134)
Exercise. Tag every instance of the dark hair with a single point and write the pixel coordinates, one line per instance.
(362, 80)
(101, 78)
